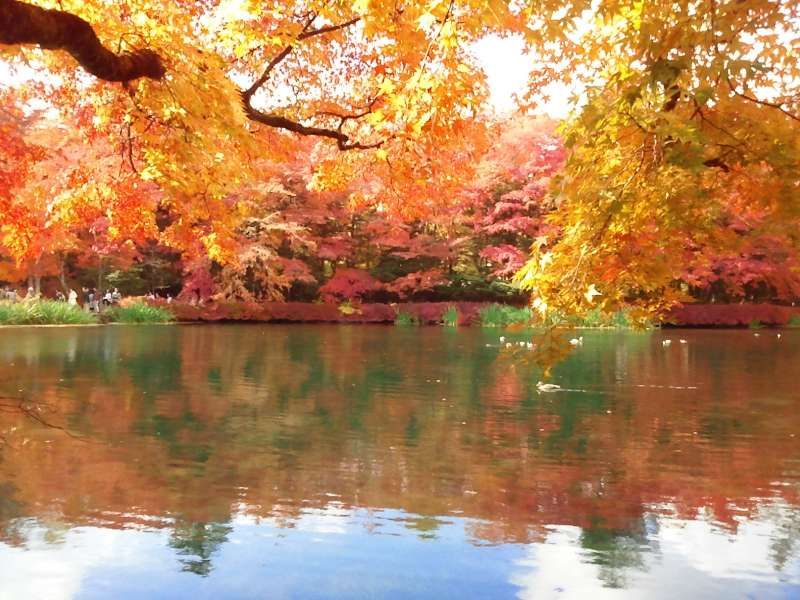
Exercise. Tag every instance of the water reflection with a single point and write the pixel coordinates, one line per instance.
(351, 461)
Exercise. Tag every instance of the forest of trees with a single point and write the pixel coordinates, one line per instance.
(343, 151)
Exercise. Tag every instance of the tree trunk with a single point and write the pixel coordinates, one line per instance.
(22, 23)
(62, 276)
(100, 279)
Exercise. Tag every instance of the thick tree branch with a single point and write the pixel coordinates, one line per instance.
(342, 139)
(272, 120)
(22, 23)
(276, 60)
(351, 116)
(262, 79)
(717, 162)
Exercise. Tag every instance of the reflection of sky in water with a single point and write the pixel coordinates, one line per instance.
(340, 553)
(629, 488)
(693, 560)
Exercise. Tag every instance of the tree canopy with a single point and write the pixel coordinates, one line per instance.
(175, 121)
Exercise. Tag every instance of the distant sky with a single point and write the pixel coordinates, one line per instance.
(503, 60)
(507, 69)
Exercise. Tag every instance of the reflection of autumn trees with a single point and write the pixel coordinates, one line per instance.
(186, 426)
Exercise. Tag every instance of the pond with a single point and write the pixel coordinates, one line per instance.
(248, 461)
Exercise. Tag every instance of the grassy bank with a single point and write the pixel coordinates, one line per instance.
(48, 312)
(138, 312)
(501, 315)
(52, 312)
(43, 312)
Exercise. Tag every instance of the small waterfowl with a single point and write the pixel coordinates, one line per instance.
(547, 387)
(666, 342)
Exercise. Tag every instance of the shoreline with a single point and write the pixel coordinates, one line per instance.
(689, 316)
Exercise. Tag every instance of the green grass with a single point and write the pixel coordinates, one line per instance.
(596, 318)
(502, 315)
(404, 319)
(450, 317)
(794, 321)
(755, 324)
(43, 312)
(138, 312)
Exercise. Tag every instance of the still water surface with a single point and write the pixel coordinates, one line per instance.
(348, 462)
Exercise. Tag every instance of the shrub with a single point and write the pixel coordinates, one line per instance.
(348, 308)
(593, 318)
(450, 317)
(419, 281)
(755, 324)
(794, 321)
(597, 318)
(138, 312)
(501, 315)
(43, 312)
(349, 284)
(404, 319)
(621, 320)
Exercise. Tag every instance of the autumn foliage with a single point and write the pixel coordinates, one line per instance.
(207, 150)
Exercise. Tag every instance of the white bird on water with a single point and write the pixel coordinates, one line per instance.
(666, 342)
(577, 341)
(547, 387)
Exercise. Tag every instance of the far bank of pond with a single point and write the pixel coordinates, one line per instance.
(135, 310)
(471, 313)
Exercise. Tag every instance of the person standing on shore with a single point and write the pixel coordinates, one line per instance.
(72, 300)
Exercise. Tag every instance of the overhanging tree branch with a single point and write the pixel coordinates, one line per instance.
(304, 34)
(22, 23)
(271, 120)
(744, 95)
(342, 140)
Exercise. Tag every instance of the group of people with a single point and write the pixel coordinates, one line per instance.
(152, 296)
(10, 294)
(90, 299)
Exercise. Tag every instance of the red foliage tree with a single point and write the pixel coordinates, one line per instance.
(349, 284)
